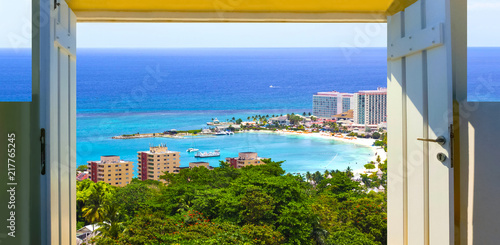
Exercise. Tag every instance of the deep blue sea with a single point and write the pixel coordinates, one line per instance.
(126, 91)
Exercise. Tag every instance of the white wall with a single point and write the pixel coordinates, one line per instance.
(484, 173)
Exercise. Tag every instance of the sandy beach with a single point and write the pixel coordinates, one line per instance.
(377, 151)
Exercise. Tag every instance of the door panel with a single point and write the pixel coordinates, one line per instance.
(396, 88)
(58, 107)
(420, 80)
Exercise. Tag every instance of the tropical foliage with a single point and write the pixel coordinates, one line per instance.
(252, 205)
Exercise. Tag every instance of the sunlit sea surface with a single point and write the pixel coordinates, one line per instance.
(127, 91)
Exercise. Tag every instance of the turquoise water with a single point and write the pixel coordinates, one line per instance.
(302, 153)
(124, 91)
(147, 91)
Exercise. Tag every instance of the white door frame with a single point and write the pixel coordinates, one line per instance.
(427, 81)
(57, 76)
(56, 46)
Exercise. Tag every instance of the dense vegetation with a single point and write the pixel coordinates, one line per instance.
(252, 205)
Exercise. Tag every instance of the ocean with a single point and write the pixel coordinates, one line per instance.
(125, 91)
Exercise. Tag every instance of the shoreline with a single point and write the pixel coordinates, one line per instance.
(377, 150)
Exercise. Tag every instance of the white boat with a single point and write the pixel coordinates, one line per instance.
(215, 153)
(192, 150)
(224, 133)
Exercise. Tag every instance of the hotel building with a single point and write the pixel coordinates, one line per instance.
(370, 107)
(328, 104)
(245, 159)
(158, 160)
(111, 170)
(199, 164)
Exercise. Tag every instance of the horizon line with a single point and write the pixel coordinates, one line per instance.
(229, 47)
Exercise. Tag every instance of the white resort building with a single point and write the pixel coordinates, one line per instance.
(328, 104)
(370, 107)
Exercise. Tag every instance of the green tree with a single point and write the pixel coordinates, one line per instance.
(325, 207)
(349, 172)
(258, 205)
(317, 177)
(295, 119)
(308, 176)
(112, 224)
(99, 194)
(251, 205)
(82, 168)
(368, 214)
(137, 196)
(326, 174)
(339, 184)
(295, 223)
(350, 236)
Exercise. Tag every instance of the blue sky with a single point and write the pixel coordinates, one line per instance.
(483, 30)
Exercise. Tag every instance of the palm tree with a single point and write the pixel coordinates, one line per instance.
(308, 176)
(378, 159)
(325, 175)
(248, 118)
(317, 177)
(93, 210)
(349, 172)
(111, 225)
(366, 180)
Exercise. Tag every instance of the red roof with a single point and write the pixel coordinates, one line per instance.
(82, 176)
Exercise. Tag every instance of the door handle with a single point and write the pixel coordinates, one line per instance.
(441, 140)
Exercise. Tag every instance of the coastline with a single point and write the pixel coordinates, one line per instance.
(357, 171)
(377, 150)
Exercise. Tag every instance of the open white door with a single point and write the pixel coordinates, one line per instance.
(421, 96)
(58, 118)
